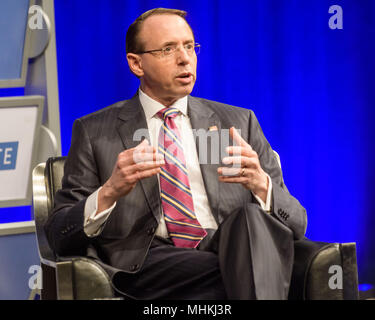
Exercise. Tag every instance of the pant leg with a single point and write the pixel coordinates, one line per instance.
(255, 253)
(174, 274)
(249, 257)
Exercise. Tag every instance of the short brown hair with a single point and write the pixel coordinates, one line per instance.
(133, 44)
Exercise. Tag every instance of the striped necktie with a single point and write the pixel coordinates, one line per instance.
(182, 224)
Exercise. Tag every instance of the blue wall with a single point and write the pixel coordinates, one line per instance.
(312, 89)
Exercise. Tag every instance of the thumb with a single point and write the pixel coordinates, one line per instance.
(143, 143)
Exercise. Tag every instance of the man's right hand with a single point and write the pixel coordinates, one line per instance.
(132, 165)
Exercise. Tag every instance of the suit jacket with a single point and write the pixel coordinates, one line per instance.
(97, 140)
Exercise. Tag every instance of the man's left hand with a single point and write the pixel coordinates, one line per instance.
(245, 168)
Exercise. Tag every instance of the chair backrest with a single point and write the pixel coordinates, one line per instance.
(54, 173)
(46, 181)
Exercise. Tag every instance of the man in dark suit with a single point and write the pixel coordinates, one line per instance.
(121, 196)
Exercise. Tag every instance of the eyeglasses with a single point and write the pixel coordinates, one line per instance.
(171, 49)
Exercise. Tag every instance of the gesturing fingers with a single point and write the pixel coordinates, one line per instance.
(146, 166)
(144, 152)
(241, 151)
(132, 165)
(240, 161)
(237, 139)
(141, 153)
(139, 162)
(147, 170)
(239, 156)
(244, 166)
(147, 161)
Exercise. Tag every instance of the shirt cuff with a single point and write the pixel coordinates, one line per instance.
(94, 223)
(266, 206)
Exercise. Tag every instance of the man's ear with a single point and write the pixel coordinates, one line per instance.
(135, 64)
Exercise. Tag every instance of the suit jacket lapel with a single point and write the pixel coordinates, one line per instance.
(208, 148)
(132, 129)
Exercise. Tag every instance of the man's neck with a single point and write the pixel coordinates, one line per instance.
(152, 106)
(165, 101)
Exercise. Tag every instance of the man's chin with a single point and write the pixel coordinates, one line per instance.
(187, 89)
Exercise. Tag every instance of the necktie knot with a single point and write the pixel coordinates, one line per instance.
(168, 113)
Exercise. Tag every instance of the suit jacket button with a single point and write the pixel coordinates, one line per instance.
(134, 267)
(151, 231)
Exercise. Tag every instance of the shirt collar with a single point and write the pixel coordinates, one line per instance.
(151, 106)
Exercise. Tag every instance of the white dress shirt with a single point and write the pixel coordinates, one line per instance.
(94, 222)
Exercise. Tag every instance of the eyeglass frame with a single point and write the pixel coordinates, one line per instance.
(162, 50)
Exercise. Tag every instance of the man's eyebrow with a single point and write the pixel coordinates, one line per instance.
(169, 43)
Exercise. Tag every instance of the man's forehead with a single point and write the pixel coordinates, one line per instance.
(165, 27)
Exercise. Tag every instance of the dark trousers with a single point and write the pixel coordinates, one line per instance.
(246, 258)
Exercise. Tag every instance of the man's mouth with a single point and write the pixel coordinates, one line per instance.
(185, 77)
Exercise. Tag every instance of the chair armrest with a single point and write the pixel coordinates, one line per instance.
(312, 274)
(79, 278)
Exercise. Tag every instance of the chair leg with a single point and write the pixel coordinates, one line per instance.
(48, 291)
(64, 276)
(350, 272)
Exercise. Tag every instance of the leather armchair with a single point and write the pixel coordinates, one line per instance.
(83, 278)
(64, 278)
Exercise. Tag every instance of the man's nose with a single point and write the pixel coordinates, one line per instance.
(183, 57)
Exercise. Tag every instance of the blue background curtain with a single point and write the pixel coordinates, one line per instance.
(312, 89)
